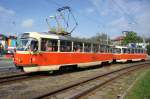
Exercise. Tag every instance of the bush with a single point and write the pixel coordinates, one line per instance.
(148, 49)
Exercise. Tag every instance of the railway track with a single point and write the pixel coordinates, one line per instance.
(81, 87)
(18, 76)
(14, 76)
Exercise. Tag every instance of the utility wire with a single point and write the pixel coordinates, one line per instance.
(124, 12)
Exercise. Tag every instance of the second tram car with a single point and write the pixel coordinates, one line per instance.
(44, 51)
(124, 54)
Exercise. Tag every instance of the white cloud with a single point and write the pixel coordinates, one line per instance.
(28, 23)
(124, 15)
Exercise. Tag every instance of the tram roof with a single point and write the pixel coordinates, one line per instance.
(128, 47)
(61, 37)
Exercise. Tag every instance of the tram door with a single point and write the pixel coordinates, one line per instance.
(48, 49)
(34, 49)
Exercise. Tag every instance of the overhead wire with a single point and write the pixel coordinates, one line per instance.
(85, 16)
(124, 12)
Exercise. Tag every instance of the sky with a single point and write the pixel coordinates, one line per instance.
(93, 16)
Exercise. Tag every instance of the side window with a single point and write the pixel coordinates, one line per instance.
(118, 50)
(65, 46)
(34, 45)
(138, 50)
(102, 49)
(123, 50)
(87, 47)
(132, 50)
(128, 51)
(49, 45)
(43, 44)
(95, 47)
(111, 50)
(106, 49)
(77, 47)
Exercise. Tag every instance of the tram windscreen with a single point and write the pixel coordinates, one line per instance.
(23, 44)
(29, 44)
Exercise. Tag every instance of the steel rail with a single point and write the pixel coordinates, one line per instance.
(17, 77)
(85, 80)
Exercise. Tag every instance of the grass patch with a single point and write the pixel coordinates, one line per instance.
(141, 90)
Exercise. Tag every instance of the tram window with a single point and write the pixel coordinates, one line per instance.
(106, 49)
(138, 50)
(51, 45)
(87, 47)
(111, 50)
(102, 49)
(132, 50)
(117, 50)
(65, 46)
(34, 45)
(77, 47)
(95, 48)
(48, 45)
(128, 51)
(142, 50)
(135, 51)
(124, 50)
(43, 44)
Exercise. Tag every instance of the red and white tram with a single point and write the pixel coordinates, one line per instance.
(124, 54)
(46, 51)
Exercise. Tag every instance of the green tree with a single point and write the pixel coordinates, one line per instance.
(148, 49)
(131, 37)
(103, 38)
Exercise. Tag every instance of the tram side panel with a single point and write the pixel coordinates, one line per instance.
(129, 57)
(52, 61)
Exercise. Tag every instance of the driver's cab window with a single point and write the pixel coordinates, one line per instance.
(34, 45)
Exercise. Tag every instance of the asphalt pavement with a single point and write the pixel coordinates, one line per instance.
(6, 65)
